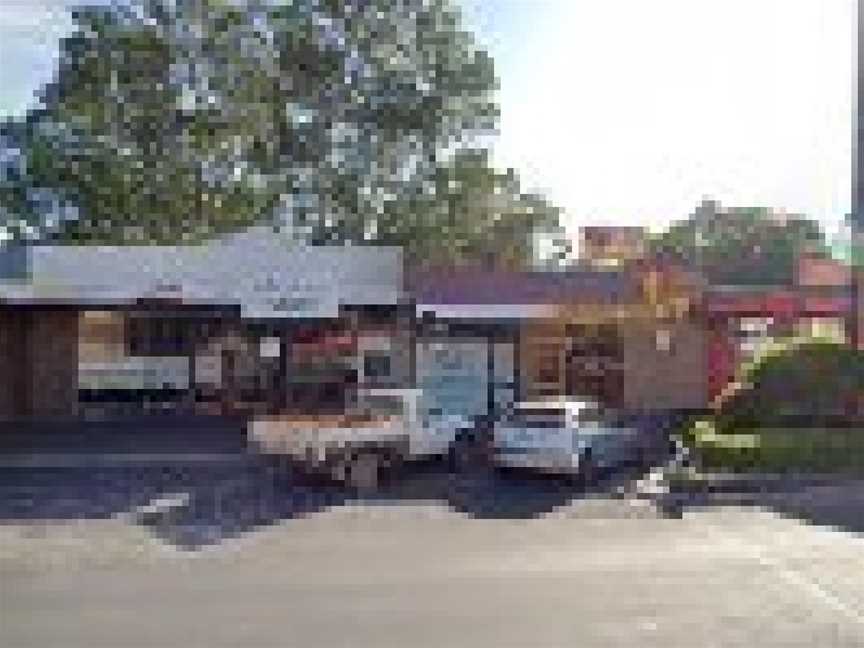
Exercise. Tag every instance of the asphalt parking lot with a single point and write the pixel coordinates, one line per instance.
(229, 554)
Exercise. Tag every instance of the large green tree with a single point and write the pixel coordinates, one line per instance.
(470, 213)
(173, 120)
(742, 245)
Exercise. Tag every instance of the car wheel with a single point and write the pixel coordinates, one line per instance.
(588, 472)
(392, 465)
(639, 461)
(278, 469)
(470, 448)
(360, 471)
(456, 457)
(363, 472)
(504, 473)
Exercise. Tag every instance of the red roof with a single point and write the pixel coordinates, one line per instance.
(778, 302)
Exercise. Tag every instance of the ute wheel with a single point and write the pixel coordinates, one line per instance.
(278, 468)
(393, 464)
(362, 471)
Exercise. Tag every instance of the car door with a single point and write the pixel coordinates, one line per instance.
(540, 431)
(607, 442)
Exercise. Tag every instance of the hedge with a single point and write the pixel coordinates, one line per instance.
(815, 384)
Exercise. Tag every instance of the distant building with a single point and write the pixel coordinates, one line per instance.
(631, 338)
(612, 245)
(819, 271)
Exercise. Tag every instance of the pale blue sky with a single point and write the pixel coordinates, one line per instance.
(627, 111)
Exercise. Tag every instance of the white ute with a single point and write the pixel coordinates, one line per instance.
(387, 430)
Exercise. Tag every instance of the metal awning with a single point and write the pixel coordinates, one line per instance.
(264, 274)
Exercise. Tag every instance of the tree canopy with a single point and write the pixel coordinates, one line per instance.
(742, 245)
(473, 214)
(349, 120)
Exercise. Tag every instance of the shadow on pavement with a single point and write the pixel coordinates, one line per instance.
(204, 503)
(225, 491)
(832, 502)
(146, 434)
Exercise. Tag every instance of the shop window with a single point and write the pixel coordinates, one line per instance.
(377, 366)
(595, 341)
(270, 347)
(830, 329)
(158, 336)
(754, 327)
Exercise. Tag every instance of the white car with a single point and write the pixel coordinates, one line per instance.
(563, 437)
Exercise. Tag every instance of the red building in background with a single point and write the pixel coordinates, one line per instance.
(741, 319)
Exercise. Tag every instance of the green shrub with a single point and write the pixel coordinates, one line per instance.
(814, 384)
(783, 450)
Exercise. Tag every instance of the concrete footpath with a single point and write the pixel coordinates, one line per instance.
(829, 500)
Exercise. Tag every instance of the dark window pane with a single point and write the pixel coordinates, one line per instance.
(376, 365)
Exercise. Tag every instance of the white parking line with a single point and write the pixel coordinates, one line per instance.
(791, 576)
(162, 504)
(654, 484)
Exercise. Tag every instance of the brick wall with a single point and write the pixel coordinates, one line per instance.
(664, 367)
